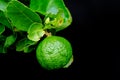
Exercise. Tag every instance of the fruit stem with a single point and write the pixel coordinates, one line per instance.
(48, 34)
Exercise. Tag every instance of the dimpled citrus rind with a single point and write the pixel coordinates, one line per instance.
(54, 52)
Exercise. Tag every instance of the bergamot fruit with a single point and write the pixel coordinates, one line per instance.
(54, 52)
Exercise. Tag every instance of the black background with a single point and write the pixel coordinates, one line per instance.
(90, 17)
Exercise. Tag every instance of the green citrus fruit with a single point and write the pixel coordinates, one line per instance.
(54, 52)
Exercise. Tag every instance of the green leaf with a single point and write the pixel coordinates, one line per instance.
(1, 49)
(2, 39)
(35, 32)
(28, 49)
(56, 8)
(23, 44)
(3, 4)
(9, 41)
(4, 20)
(21, 16)
(2, 29)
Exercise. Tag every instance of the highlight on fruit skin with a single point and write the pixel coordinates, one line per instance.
(54, 52)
